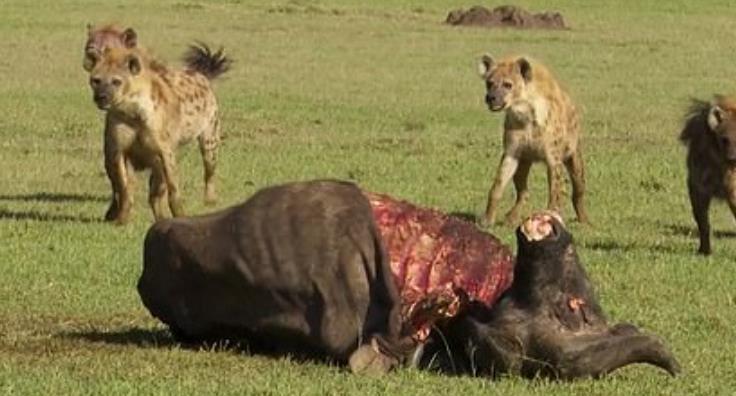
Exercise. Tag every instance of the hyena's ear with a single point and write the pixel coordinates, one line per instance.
(525, 69)
(90, 60)
(715, 117)
(485, 64)
(134, 64)
(130, 38)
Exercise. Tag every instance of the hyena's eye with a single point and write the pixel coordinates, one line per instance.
(117, 82)
(507, 85)
(95, 81)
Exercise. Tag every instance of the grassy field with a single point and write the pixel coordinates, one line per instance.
(379, 92)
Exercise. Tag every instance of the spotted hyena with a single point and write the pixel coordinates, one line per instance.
(100, 38)
(151, 110)
(710, 136)
(541, 124)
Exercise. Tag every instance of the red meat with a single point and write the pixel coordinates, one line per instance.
(439, 262)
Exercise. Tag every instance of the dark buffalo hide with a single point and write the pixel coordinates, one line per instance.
(297, 268)
(548, 323)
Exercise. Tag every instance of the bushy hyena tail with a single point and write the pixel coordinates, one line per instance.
(201, 59)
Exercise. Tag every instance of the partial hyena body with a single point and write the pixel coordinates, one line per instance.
(541, 124)
(151, 110)
(710, 136)
(100, 38)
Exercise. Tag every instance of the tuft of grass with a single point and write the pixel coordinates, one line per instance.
(381, 93)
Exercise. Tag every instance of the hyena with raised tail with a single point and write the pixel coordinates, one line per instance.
(151, 110)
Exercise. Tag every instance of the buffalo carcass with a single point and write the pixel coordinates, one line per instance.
(549, 322)
(298, 269)
(301, 268)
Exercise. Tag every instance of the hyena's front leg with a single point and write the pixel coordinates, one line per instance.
(554, 182)
(700, 202)
(157, 191)
(522, 191)
(576, 170)
(110, 151)
(171, 178)
(122, 200)
(506, 170)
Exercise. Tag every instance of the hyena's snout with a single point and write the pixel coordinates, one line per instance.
(728, 144)
(495, 101)
(102, 93)
(102, 100)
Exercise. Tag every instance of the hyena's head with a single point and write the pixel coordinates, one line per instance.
(505, 80)
(103, 37)
(114, 75)
(722, 123)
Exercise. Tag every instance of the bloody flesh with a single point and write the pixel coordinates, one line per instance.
(439, 262)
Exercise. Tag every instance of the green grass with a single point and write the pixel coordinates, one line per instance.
(382, 93)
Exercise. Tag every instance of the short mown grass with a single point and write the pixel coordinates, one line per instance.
(382, 93)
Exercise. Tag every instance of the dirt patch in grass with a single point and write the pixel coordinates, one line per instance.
(506, 16)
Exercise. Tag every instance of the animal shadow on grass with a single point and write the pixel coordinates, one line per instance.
(681, 230)
(40, 216)
(53, 197)
(50, 198)
(671, 229)
(162, 338)
(133, 336)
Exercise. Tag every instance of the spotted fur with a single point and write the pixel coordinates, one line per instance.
(151, 110)
(541, 125)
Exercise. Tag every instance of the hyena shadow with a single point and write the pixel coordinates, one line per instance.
(44, 214)
(692, 232)
(44, 196)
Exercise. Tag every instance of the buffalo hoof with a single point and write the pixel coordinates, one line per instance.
(367, 359)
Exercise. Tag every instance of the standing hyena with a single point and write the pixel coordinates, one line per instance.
(541, 125)
(710, 136)
(151, 110)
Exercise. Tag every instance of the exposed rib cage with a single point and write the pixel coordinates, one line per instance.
(439, 262)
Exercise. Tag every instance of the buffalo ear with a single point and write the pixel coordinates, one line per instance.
(90, 60)
(130, 38)
(134, 64)
(715, 117)
(525, 69)
(485, 64)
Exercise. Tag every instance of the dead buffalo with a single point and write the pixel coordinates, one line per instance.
(302, 268)
(549, 322)
(297, 268)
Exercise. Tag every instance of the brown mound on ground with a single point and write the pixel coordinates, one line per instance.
(505, 16)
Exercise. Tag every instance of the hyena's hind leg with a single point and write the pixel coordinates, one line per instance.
(208, 143)
(576, 169)
(157, 193)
